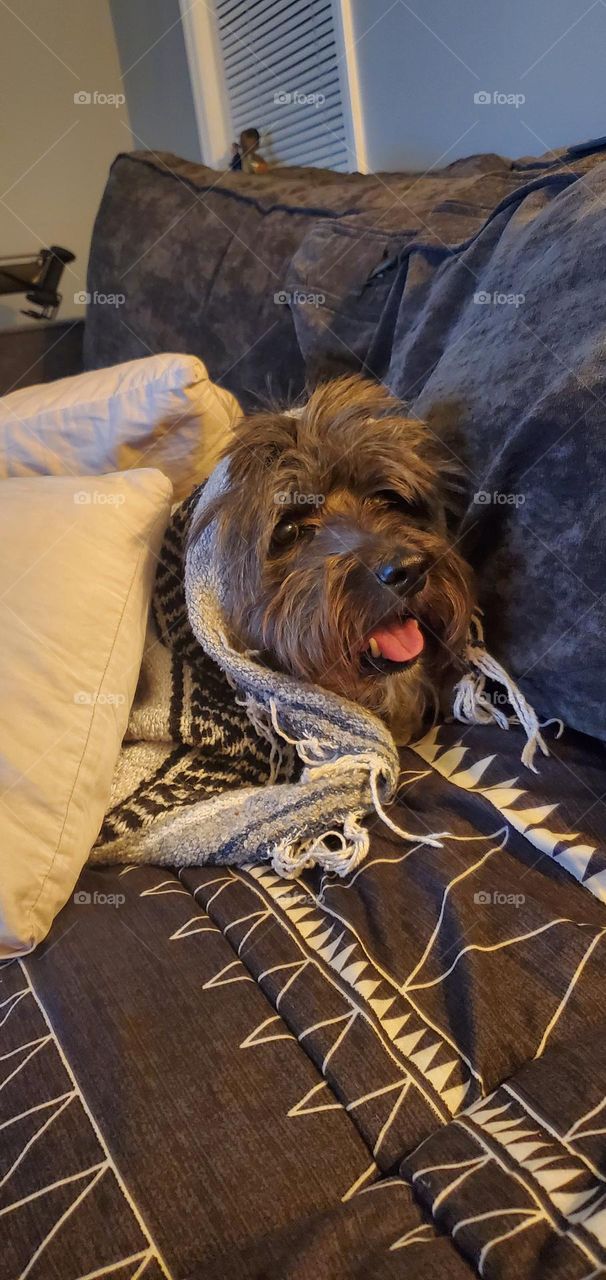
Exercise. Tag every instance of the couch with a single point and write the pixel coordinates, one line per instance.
(401, 1072)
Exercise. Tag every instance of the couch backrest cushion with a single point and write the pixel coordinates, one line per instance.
(473, 292)
(202, 261)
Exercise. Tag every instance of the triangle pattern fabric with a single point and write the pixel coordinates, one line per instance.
(586, 863)
(58, 1183)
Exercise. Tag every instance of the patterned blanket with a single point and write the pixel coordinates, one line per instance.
(399, 1072)
(231, 762)
(212, 776)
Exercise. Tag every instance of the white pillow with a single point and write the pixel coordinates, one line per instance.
(77, 563)
(162, 411)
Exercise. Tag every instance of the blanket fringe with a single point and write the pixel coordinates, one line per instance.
(375, 773)
(280, 753)
(340, 850)
(472, 705)
(290, 857)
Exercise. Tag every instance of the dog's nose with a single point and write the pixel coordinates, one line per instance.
(403, 571)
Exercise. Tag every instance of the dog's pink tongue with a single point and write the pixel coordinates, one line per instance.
(400, 642)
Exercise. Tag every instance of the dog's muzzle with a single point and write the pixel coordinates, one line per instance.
(404, 572)
(397, 641)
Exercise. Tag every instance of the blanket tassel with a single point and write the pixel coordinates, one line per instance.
(472, 705)
(289, 858)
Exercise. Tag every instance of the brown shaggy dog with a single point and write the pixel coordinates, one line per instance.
(341, 569)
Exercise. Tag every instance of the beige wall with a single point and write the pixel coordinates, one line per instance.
(55, 153)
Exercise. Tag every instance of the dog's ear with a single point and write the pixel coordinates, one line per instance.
(453, 489)
(444, 425)
(257, 442)
(252, 449)
(202, 518)
(240, 509)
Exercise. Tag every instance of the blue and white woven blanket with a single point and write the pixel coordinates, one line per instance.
(227, 761)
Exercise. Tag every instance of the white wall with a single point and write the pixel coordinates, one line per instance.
(55, 153)
(421, 61)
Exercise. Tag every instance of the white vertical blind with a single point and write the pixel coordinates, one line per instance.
(282, 78)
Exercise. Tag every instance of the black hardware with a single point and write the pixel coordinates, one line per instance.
(37, 275)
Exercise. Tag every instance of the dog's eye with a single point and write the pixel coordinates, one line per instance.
(415, 508)
(285, 534)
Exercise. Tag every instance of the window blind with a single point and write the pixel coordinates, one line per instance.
(282, 77)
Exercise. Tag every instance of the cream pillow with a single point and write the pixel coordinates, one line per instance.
(162, 411)
(77, 563)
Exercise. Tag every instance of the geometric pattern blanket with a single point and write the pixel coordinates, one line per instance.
(398, 1072)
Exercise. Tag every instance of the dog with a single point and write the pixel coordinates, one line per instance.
(342, 572)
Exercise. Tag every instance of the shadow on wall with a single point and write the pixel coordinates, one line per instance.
(149, 36)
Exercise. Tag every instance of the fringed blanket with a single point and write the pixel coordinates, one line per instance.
(226, 761)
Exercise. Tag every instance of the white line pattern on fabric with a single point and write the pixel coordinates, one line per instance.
(109, 1163)
(568, 992)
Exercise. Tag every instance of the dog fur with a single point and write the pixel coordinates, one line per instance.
(324, 503)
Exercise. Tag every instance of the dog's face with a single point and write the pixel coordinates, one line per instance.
(341, 570)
